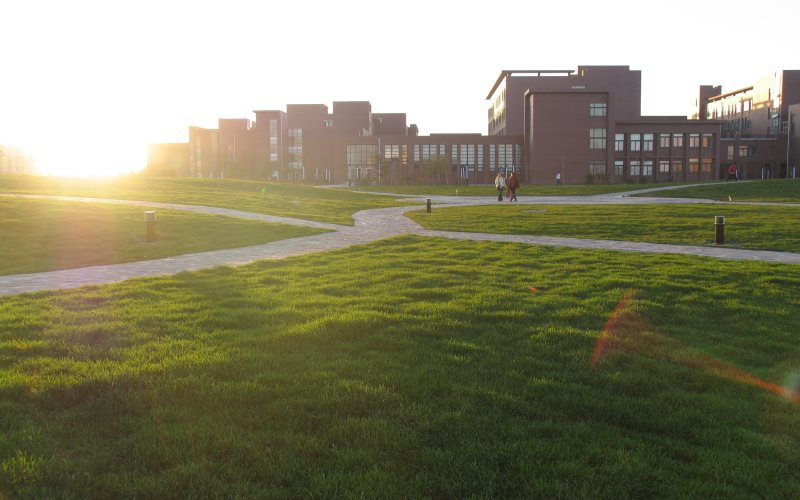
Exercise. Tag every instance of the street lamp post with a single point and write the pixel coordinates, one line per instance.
(788, 142)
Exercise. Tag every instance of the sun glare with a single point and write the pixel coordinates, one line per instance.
(68, 156)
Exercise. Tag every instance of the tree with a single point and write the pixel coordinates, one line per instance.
(439, 168)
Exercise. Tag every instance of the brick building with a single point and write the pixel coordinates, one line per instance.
(757, 133)
(587, 126)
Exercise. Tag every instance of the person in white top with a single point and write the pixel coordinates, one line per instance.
(500, 184)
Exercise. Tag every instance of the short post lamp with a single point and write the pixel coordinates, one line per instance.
(150, 226)
(719, 225)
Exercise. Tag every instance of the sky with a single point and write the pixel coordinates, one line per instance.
(86, 84)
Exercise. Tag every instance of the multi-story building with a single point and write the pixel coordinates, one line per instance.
(757, 121)
(351, 143)
(583, 125)
(587, 126)
(204, 157)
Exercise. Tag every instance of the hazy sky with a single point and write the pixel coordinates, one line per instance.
(111, 76)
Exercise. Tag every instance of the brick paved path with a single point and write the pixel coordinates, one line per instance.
(370, 225)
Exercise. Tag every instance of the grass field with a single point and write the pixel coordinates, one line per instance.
(46, 235)
(775, 191)
(489, 190)
(409, 368)
(747, 226)
(289, 200)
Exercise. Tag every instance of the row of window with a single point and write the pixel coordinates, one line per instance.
(465, 155)
(646, 142)
(744, 152)
(727, 108)
(645, 167)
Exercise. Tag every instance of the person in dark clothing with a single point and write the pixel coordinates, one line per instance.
(513, 184)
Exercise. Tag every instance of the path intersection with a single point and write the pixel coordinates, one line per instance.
(369, 226)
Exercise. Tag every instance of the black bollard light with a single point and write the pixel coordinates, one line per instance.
(428, 204)
(719, 225)
(150, 225)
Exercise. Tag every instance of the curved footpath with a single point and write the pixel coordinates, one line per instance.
(370, 225)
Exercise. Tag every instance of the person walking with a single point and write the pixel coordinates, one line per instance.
(513, 184)
(500, 184)
(558, 177)
(732, 172)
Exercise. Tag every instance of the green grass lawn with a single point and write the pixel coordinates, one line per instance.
(289, 200)
(775, 191)
(747, 226)
(524, 190)
(45, 235)
(409, 368)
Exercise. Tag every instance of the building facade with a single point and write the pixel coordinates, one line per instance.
(586, 126)
(350, 143)
(757, 124)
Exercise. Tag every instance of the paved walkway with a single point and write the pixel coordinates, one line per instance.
(370, 225)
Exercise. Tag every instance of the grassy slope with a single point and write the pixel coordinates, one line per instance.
(303, 202)
(45, 235)
(407, 368)
(753, 227)
(776, 191)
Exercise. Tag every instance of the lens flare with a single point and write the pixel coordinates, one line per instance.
(618, 335)
(612, 324)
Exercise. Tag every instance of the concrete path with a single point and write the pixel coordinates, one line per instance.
(370, 225)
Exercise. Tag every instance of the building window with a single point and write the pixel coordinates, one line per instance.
(648, 142)
(647, 167)
(597, 168)
(619, 168)
(505, 157)
(634, 168)
(492, 160)
(694, 140)
(295, 159)
(708, 141)
(730, 152)
(636, 142)
(361, 160)
(707, 163)
(432, 151)
(619, 142)
(694, 165)
(663, 166)
(597, 138)
(663, 140)
(677, 140)
(598, 109)
(677, 166)
(744, 151)
(391, 151)
(467, 158)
